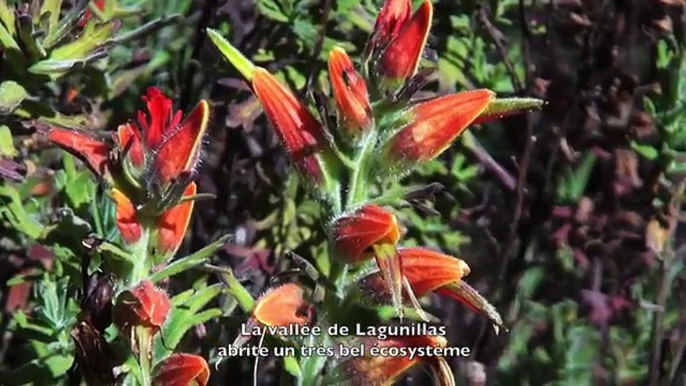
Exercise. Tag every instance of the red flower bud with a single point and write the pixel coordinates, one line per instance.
(144, 305)
(435, 125)
(298, 129)
(392, 17)
(173, 223)
(385, 370)
(182, 370)
(350, 92)
(401, 58)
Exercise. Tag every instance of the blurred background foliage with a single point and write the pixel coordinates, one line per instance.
(568, 217)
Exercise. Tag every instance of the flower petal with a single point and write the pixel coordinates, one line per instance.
(144, 305)
(130, 137)
(401, 59)
(299, 130)
(393, 15)
(435, 125)
(180, 147)
(283, 306)
(355, 233)
(160, 118)
(173, 223)
(182, 370)
(94, 152)
(427, 270)
(128, 224)
(385, 370)
(349, 91)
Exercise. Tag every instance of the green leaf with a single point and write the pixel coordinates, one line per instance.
(185, 316)
(242, 64)
(573, 185)
(506, 106)
(7, 148)
(39, 371)
(272, 10)
(7, 18)
(26, 34)
(6, 40)
(189, 261)
(93, 36)
(646, 151)
(72, 121)
(12, 209)
(51, 7)
(291, 365)
(65, 24)
(58, 68)
(11, 96)
(245, 300)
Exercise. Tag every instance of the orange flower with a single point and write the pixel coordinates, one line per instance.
(298, 129)
(350, 92)
(386, 369)
(281, 306)
(354, 234)
(367, 232)
(182, 370)
(426, 271)
(434, 126)
(400, 59)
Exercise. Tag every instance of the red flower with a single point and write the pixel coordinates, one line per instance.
(182, 370)
(147, 165)
(400, 59)
(434, 126)
(156, 149)
(350, 92)
(298, 129)
(144, 305)
(167, 146)
(426, 271)
(386, 369)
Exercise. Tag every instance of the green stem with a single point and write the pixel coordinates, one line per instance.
(139, 250)
(358, 190)
(144, 352)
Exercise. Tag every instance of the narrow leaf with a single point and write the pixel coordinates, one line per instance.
(242, 64)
